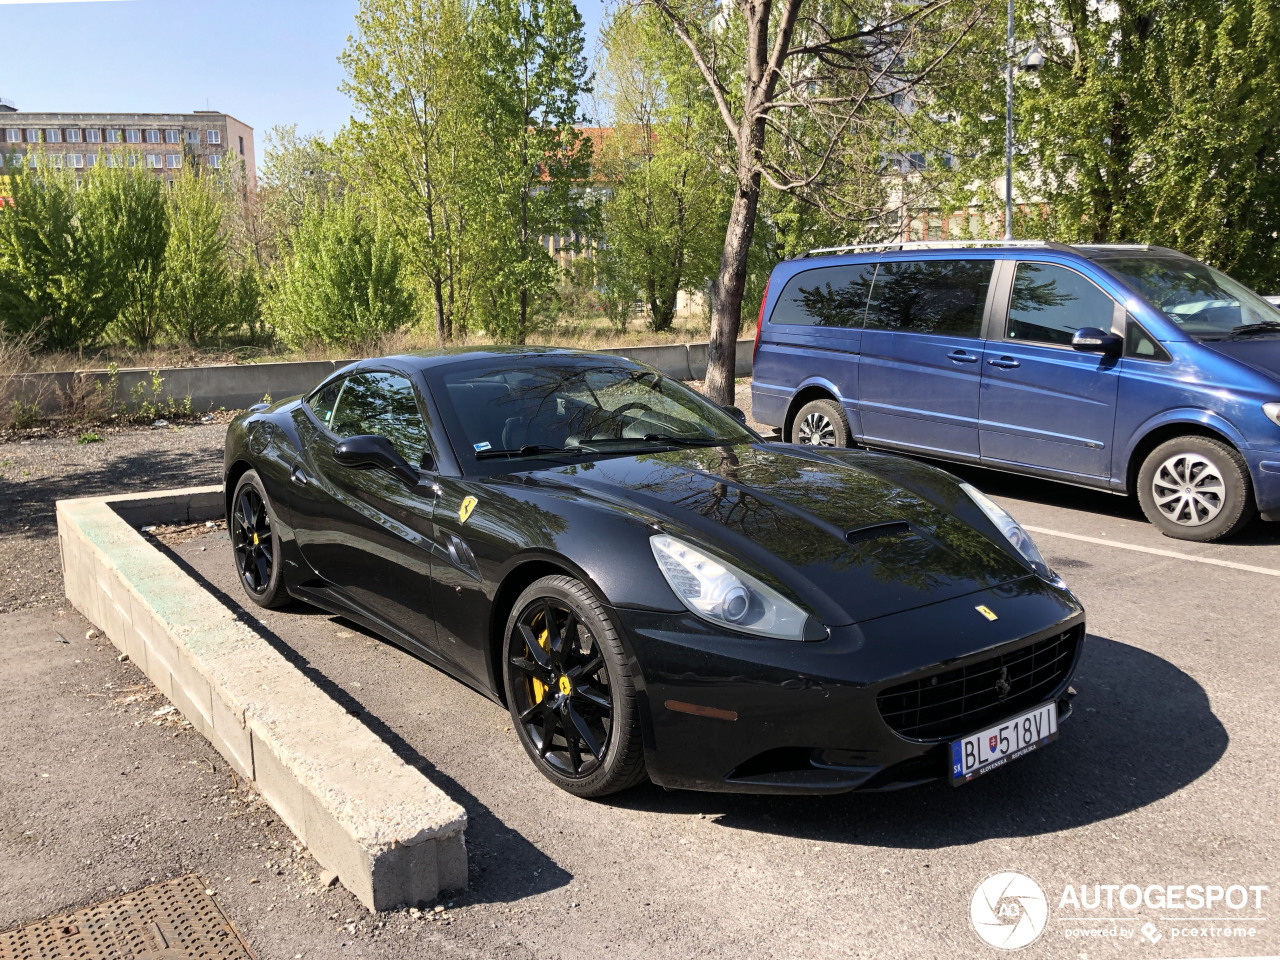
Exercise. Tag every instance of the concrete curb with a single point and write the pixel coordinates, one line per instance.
(392, 836)
(236, 386)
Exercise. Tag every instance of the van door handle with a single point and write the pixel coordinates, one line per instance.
(1005, 363)
(961, 356)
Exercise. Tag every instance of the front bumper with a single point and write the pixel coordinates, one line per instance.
(728, 713)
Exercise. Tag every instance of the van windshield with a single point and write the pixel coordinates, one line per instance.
(1205, 303)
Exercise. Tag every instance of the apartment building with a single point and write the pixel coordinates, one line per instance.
(162, 142)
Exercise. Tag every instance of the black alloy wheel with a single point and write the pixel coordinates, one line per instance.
(571, 698)
(255, 544)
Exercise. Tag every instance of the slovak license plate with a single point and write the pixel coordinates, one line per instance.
(983, 752)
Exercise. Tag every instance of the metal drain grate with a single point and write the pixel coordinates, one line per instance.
(175, 920)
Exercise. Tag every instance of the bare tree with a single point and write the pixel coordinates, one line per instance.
(803, 88)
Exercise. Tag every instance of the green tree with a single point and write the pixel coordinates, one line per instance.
(344, 281)
(124, 207)
(1149, 122)
(198, 288)
(57, 282)
(661, 219)
(804, 96)
(534, 161)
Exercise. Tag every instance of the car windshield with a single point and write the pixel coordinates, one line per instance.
(1205, 303)
(544, 407)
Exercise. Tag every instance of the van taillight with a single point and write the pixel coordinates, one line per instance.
(760, 322)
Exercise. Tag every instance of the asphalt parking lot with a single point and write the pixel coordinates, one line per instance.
(1166, 775)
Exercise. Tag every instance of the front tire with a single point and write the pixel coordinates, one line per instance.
(569, 690)
(820, 423)
(255, 543)
(1196, 488)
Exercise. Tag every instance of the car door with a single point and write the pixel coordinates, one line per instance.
(813, 335)
(368, 533)
(1044, 404)
(919, 371)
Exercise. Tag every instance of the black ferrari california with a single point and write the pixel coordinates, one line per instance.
(651, 589)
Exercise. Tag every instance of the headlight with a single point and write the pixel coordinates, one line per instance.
(1272, 410)
(1013, 532)
(715, 591)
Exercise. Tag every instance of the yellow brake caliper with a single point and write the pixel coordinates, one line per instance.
(538, 687)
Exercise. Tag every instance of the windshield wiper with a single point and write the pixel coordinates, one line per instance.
(1249, 329)
(666, 438)
(528, 450)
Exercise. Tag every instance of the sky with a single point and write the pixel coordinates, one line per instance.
(265, 62)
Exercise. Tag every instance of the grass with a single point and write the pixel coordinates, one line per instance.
(585, 334)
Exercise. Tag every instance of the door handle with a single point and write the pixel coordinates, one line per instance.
(1005, 363)
(960, 356)
(298, 476)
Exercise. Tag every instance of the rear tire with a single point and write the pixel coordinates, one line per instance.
(255, 545)
(1196, 488)
(820, 423)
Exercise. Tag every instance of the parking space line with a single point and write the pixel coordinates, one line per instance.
(1173, 554)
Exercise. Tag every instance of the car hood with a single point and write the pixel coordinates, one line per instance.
(1262, 355)
(809, 519)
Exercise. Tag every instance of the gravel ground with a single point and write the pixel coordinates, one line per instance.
(37, 472)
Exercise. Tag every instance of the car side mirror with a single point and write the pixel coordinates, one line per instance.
(1095, 340)
(370, 452)
(736, 413)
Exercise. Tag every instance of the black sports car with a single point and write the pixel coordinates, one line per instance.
(649, 587)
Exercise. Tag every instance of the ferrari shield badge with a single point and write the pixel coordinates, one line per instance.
(986, 612)
(468, 505)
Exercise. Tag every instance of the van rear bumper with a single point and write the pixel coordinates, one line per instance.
(769, 403)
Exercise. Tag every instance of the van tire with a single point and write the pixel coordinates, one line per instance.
(1216, 476)
(820, 423)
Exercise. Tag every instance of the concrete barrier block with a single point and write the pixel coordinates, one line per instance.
(391, 835)
(671, 360)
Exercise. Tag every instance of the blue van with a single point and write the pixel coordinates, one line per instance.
(1133, 369)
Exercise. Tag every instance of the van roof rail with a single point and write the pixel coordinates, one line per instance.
(932, 245)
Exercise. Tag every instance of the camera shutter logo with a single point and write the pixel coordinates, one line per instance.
(1008, 910)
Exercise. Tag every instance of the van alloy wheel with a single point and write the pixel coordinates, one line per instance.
(1188, 489)
(817, 430)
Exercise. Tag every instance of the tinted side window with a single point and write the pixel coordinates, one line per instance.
(323, 400)
(1140, 345)
(1051, 303)
(930, 296)
(383, 404)
(826, 297)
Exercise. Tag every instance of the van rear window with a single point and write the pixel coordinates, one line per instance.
(945, 297)
(825, 297)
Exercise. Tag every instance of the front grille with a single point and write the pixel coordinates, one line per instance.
(951, 704)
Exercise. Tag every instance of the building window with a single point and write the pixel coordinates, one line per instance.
(242, 146)
(113, 159)
(133, 159)
(33, 135)
(132, 136)
(13, 136)
(154, 161)
(173, 136)
(31, 159)
(213, 136)
(53, 136)
(90, 159)
(75, 160)
(113, 136)
(153, 136)
(173, 161)
(193, 136)
(92, 136)
(55, 160)
(73, 136)
(215, 161)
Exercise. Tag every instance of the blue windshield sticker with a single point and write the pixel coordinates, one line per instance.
(482, 446)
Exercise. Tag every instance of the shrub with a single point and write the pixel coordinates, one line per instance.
(198, 291)
(344, 282)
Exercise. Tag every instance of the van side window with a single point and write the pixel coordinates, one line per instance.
(826, 297)
(1140, 345)
(930, 296)
(1050, 303)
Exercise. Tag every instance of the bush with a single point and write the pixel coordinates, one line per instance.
(198, 292)
(344, 283)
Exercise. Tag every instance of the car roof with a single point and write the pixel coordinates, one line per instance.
(447, 356)
(993, 249)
